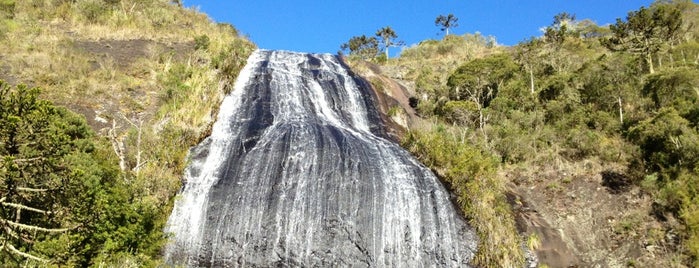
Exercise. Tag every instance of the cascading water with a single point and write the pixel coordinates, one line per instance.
(298, 172)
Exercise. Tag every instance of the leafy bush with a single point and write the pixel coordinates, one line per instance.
(460, 112)
(667, 141)
(7, 8)
(675, 88)
(202, 42)
(93, 10)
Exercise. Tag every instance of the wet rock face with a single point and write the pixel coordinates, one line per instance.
(298, 173)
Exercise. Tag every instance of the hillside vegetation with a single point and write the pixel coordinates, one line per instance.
(148, 75)
(554, 119)
(587, 136)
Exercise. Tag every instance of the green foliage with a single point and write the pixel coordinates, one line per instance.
(388, 38)
(446, 22)
(174, 82)
(646, 31)
(115, 216)
(560, 28)
(563, 98)
(202, 42)
(676, 88)
(460, 112)
(362, 46)
(62, 199)
(480, 192)
(231, 59)
(38, 141)
(686, 54)
(94, 11)
(668, 142)
(480, 80)
(7, 8)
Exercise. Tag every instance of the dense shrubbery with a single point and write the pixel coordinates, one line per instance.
(565, 96)
(63, 199)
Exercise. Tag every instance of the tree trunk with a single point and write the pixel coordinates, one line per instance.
(118, 146)
(649, 61)
(531, 79)
(621, 112)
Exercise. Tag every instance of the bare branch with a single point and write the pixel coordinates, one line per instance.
(15, 235)
(27, 189)
(20, 206)
(12, 249)
(118, 145)
(17, 161)
(33, 228)
(138, 127)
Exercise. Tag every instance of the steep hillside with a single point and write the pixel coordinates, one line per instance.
(593, 135)
(148, 76)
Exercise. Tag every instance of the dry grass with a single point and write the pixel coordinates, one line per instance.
(479, 189)
(443, 56)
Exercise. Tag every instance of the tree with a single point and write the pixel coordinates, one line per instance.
(562, 26)
(645, 31)
(388, 37)
(526, 55)
(61, 201)
(446, 22)
(479, 80)
(38, 143)
(362, 46)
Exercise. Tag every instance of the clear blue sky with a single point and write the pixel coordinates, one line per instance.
(323, 25)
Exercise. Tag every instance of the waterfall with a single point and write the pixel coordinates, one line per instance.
(298, 172)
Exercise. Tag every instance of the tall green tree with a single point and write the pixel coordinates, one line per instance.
(526, 55)
(446, 22)
(646, 31)
(562, 26)
(362, 46)
(479, 81)
(38, 176)
(388, 38)
(62, 201)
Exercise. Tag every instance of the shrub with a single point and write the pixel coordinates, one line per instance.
(667, 141)
(7, 9)
(93, 10)
(461, 112)
(201, 42)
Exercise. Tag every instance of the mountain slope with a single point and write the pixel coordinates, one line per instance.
(148, 76)
(597, 149)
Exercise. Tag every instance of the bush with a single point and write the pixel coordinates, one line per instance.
(675, 88)
(201, 42)
(667, 141)
(93, 10)
(7, 9)
(174, 82)
(461, 113)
